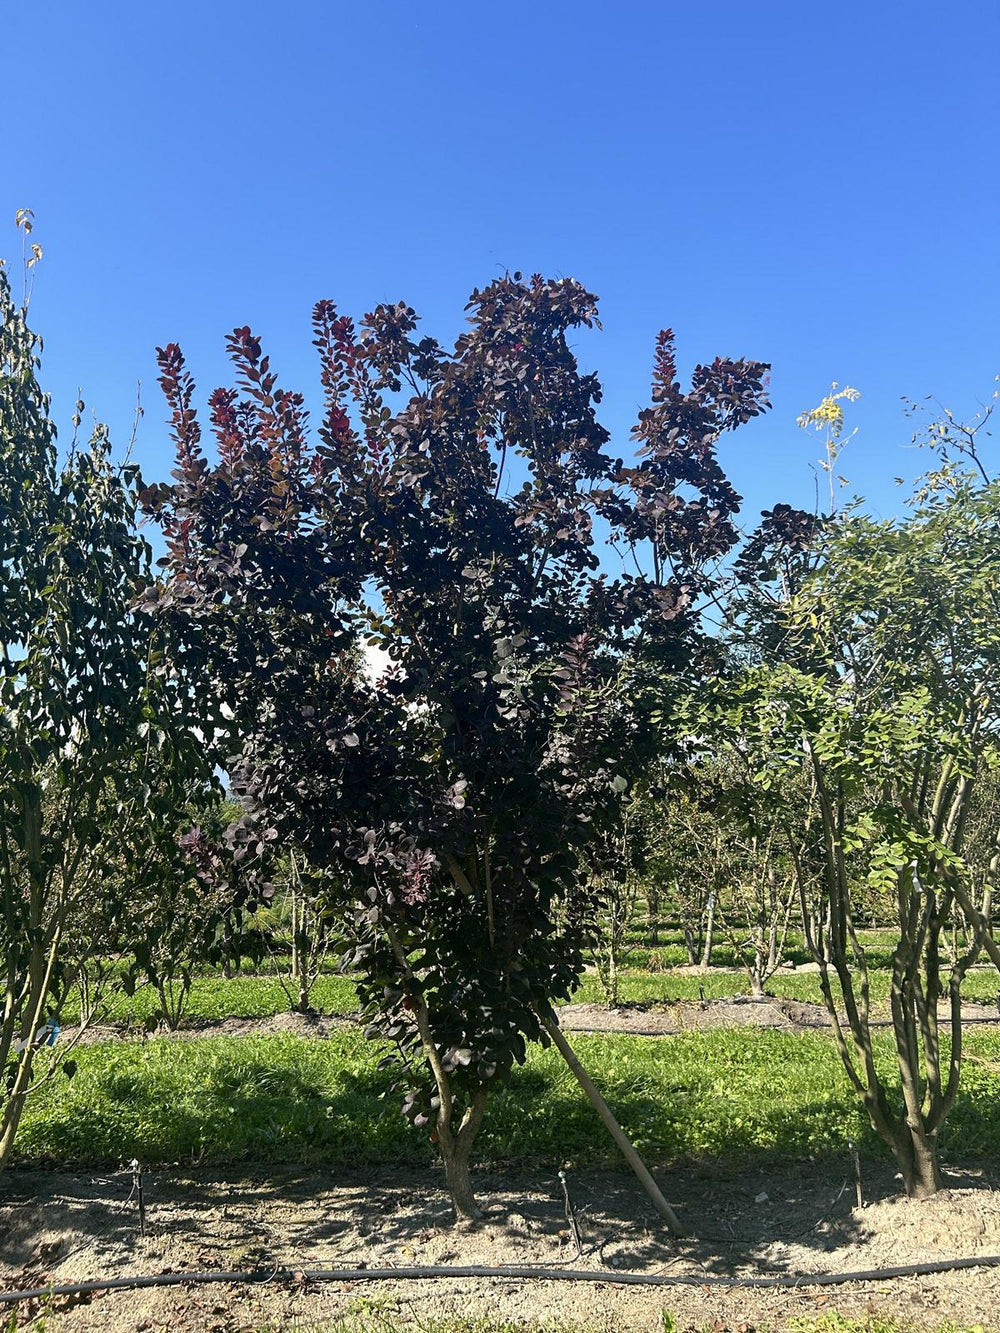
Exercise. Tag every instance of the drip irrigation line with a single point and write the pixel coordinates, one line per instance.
(790, 1025)
(416, 1273)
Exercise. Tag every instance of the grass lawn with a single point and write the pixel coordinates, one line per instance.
(725, 1095)
(980, 987)
(214, 998)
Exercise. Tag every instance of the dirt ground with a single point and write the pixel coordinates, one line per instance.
(654, 1019)
(58, 1228)
(64, 1228)
(643, 1018)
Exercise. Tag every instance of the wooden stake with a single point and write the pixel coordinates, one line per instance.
(613, 1127)
(856, 1163)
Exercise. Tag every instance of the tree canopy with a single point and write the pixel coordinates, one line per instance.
(457, 511)
(99, 744)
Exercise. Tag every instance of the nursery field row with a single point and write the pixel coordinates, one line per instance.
(664, 947)
(216, 998)
(725, 1096)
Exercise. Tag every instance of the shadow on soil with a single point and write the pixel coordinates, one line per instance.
(73, 1226)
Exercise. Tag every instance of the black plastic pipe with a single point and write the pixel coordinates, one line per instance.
(264, 1276)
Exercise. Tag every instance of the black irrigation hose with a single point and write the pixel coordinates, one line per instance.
(793, 1025)
(263, 1276)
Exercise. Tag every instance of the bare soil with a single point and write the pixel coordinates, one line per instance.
(659, 1018)
(66, 1228)
(651, 1018)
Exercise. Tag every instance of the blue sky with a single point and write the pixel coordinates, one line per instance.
(810, 185)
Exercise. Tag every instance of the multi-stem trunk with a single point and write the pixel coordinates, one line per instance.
(13, 1110)
(24, 1013)
(916, 1155)
(455, 1140)
(929, 1080)
(174, 993)
(42, 962)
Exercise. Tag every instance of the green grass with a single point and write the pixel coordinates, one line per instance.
(214, 998)
(732, 1096)
(874, 1323)
(980, 987)
(665, 986)
(669, 950)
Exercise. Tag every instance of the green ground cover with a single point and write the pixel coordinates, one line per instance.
(669, 950)
(214, 998)
(981, 987)
(723, 1095)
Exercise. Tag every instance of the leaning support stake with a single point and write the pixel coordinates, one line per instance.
(856, 1163)
(613, 1127)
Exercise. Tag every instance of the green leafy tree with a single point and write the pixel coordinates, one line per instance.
(301, 937)
(684, 858)
(876, 693)
(449, 516)
(97, 747)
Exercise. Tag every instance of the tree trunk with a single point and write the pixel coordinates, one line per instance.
(456, 1151)
(297, 929)
(611, 983)
(41, 966)
(706, 955)
(456, 1157)
(689, 942)
(916, 1155)
(87, 1004)
(455, 1145)
(11, 1117)
(653, 913)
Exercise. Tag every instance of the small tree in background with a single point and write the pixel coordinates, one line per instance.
(447, 516)
(302, 939)
(756, 884)
(618, 867)
(684, 859)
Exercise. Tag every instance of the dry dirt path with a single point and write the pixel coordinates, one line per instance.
(59, 1227)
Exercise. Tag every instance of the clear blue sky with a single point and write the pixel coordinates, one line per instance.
(808, 184)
